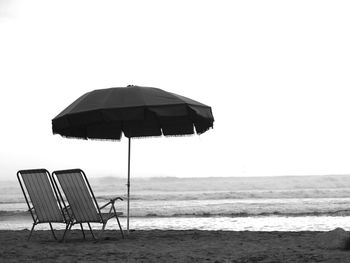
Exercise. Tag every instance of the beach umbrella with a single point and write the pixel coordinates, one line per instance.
(135, 112)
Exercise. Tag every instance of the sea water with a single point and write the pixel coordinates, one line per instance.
(288, 203)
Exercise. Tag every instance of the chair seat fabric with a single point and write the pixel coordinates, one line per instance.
(107, 216)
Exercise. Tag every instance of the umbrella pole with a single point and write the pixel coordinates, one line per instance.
(128, 185)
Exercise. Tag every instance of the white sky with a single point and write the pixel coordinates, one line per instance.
(276, 74)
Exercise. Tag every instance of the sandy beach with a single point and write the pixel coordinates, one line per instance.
(171, 246)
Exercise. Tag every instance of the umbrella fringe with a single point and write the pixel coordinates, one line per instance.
(205, 130)
(86, 139)
(137, 137)
(150, 137)
(70, 137)
(173, 135)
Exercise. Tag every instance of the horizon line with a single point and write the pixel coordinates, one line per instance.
(200, 177)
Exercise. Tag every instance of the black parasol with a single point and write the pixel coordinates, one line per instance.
(135, 112)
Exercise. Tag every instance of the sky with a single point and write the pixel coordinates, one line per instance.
(276, 74)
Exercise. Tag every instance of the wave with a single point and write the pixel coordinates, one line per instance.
(225, 195)
(12, 201)
(267, 214)
(212, 195)
(16, 213)
(345, 212)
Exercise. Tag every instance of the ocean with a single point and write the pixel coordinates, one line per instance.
(285, 203)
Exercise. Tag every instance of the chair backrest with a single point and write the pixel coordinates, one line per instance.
(79, 195)
(42, 199)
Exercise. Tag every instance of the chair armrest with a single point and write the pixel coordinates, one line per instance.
(116, 198)
(111, 202)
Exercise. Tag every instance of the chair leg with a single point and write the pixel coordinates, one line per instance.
(68, 227)
(82, 230)
(53, 233)
(92, 233)
(31, 231)
(102, 231)
(120, 227)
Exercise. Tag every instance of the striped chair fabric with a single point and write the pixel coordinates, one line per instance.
(79, 196)
(41, 195)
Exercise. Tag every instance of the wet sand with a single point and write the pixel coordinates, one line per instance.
(171, 246)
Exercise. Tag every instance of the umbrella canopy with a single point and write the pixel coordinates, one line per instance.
(135, 112)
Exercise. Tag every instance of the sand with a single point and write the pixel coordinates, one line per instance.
(174, 246)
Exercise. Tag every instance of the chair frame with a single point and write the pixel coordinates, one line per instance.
(73, 220)
(30, 204)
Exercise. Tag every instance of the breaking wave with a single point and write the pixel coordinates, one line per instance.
(238, 195)
(25, 214)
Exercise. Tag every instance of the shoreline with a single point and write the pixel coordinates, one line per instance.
(258, 223)
(173, 246)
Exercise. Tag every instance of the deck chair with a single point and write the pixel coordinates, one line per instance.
(42, 199)
(82, 202)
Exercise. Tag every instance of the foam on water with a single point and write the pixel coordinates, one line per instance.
(260, 223)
